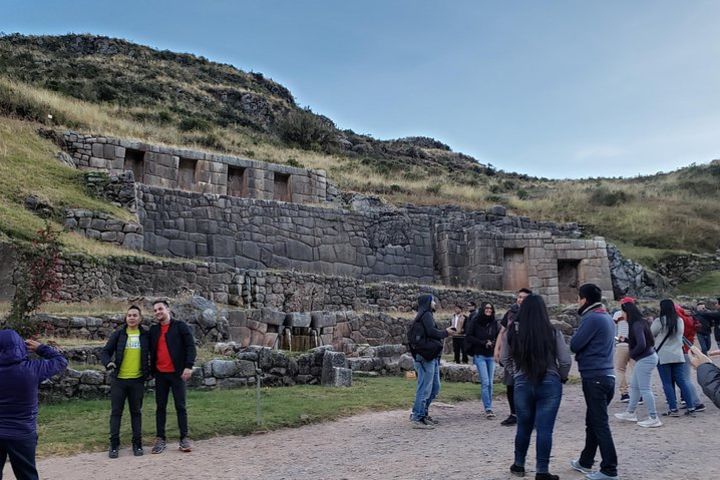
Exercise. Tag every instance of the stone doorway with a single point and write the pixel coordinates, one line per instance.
(515, 271)
(135, 161)
(568, 280)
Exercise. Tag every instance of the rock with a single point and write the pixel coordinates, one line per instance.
(564, 327)
(92, 377)
(332, 360)
(340, 377)
(223, 368)
(406, 362)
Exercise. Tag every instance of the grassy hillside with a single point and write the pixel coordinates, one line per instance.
(117, 88)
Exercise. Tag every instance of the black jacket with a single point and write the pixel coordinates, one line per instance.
(180, 342)
(114, 350)
(428, 338)
(478, 333)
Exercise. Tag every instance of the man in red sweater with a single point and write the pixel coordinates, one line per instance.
(172, 350)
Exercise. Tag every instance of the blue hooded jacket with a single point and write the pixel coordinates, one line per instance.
(20, 378)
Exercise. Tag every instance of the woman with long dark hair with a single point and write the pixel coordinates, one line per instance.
(641, 343)
(480, 336)
(541, 362)
(668, 330)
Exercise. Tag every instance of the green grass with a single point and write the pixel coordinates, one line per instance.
(646, 256)
(82, 425)
(707, 284)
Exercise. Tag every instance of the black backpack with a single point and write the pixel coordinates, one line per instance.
(420, 344)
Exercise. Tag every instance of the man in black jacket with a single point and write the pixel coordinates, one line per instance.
(172, 351)
(127, 356)
(426, 345)
(708, 320)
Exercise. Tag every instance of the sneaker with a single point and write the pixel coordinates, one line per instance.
(489, 414)
(113, 452)
(138, 450)
(575, 465)
(624, 398)
(517, 470)
(509, 421)
(158, 446)
(431, 420)
(627, 416)
(671, 413)
(600, 476)
(185, 445)
(422, 424)
(650, 423)
(700, 407)
(690, 413)
(640, 402)
(683, 404)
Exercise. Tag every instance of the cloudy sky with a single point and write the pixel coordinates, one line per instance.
(554, 88)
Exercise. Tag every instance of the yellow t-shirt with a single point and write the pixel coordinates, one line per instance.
(131, 366)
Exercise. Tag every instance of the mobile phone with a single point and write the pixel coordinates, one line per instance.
(687, 342)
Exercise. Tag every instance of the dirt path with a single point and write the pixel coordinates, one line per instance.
(382, 446)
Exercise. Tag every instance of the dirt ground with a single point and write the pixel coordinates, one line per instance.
(383, 446)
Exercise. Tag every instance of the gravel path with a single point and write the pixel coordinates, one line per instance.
(383, 446)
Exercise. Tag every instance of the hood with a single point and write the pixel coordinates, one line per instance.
(12, 347)
(424, 302)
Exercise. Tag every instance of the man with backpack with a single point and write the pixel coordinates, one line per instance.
(425, 341)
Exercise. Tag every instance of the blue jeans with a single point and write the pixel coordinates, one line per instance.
(670, 374)
(695, 397)
(486, 371)
(536, 405)
(640, 384)
(598, 392)
(428, 386)
(22, 457)
(704, 340)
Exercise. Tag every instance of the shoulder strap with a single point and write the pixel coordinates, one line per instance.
(657, 350)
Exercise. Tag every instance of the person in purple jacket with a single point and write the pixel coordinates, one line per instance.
(20, 378)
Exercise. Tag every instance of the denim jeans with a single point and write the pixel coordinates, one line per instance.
(428, 386)
(164, 382)
(670, 374)
(22, 457)
(598, 392)
(693, 391)
(486, 371)
(640, 384)
(704, 340)
(536, 405)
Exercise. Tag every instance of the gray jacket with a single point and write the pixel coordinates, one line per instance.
(708, 376)
(562, 363)
(671, 351)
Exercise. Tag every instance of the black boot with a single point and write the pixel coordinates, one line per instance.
(546, 476)
(517, 471)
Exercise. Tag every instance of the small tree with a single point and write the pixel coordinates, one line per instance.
(36, 279)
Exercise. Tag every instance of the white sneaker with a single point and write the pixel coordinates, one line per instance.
(650, 423)
(627, 416)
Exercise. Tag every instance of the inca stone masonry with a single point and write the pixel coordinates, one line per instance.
(256, 215)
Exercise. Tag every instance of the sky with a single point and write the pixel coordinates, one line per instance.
(557, 89)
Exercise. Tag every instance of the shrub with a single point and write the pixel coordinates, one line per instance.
(304, 129)
(36, 279)
(522, 194)
(191, 123)
(608, 198)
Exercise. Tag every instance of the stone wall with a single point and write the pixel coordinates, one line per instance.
(197, 171)
(105, 228)
(681, 268)
(422, 245)
(116, 188)
(631, 278)
(241, 368)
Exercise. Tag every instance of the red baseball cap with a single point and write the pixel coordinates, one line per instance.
(625, 300)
